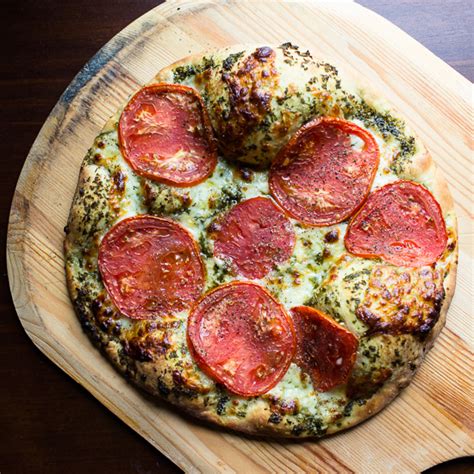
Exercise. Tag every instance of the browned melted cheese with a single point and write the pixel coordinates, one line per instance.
(250, 92)
(401, 300)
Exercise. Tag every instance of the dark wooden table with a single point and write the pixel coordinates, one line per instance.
(48, 423)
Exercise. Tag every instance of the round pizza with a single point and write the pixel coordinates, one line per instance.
(261, 240)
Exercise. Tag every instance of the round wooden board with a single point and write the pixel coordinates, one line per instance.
(432, 420)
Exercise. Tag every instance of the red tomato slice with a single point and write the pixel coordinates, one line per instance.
(255, 235)
(319, 177)
(325, 350)
(165, 135)
(150, 267)
(401, 223)
(241, 337)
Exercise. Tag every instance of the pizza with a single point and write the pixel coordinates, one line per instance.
(261, 240)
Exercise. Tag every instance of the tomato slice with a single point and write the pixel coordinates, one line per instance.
(325, 350)
(241, 337)
(402, 223)
(165, 135)
(255, 235)
(324, 173)
(150, 267)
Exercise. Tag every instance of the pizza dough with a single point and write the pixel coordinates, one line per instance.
(262, 241)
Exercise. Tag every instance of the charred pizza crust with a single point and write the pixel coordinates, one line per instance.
(257, 97)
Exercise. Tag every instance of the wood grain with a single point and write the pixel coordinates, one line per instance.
(437, 102)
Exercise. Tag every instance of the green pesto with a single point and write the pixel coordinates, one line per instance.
(311, 425)
(222, 404)
(229, 62)
(387, 125)
(183, 73)
(220, 272)
(204, 246)
(229, 197)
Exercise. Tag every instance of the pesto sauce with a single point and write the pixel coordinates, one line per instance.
(229, 62)
(387, 125)
(183, 73)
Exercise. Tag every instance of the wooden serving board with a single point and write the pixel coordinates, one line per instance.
(432, 420)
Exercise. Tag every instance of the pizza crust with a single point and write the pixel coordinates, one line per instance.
(171, 373)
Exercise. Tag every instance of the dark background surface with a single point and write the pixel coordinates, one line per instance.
(48, 423)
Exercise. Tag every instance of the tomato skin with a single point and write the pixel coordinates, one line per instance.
(402, 223)
(255, 235)
(142, 136)
(325, 350)
(150, 267)
(241, 337)
(318, 178)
